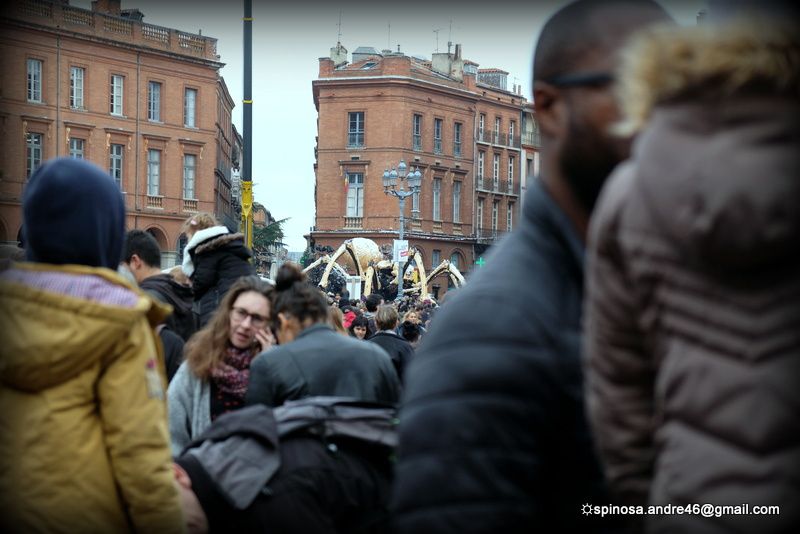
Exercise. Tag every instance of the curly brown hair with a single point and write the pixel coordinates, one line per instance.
(206, 349)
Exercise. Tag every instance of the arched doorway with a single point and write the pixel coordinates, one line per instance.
(167, 256)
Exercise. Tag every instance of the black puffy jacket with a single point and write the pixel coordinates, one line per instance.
(493, 435)
(218, 262)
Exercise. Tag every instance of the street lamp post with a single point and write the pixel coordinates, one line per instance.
(390, 187)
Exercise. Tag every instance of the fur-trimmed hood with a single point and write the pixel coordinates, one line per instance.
(717, 160)
(204, 241)
(753, 55)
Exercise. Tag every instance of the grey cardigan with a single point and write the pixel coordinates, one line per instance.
(189, 407)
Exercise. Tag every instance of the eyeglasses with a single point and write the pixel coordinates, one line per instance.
(240, 314)
(582, 79)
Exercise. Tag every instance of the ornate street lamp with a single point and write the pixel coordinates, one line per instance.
(390, 187)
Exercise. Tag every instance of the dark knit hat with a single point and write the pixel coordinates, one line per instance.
(73, 213)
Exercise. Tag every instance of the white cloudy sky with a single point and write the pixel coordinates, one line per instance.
(288, 39)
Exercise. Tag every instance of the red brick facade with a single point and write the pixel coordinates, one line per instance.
(398, 96)
(115, 59)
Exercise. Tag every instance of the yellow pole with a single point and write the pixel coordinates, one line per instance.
(247, 212)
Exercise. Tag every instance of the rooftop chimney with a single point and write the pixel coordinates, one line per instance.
(109, 7)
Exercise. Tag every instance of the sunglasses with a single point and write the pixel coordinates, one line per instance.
(582, 79)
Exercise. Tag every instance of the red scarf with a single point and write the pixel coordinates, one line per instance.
(232, 375)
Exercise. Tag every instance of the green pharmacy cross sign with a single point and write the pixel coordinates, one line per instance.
(480, 262)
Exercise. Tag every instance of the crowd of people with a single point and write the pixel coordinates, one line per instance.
(633, 342)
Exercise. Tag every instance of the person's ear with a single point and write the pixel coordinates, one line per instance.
(181, 476)
(551, 110)
(135, 263)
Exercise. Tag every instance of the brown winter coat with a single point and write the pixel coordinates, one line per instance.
(693, 285)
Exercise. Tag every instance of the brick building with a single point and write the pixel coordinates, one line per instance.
(143, 101)
(458, 124)
(531, 145)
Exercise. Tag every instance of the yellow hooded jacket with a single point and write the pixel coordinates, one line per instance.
(84, 445)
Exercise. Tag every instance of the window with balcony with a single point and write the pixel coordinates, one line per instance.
(437, 136)
(437, 199)
(481, 126)
(76, 77)
(33, 153)
(456, 202)
(457, 127)
(481, 157)
(509, 217)
(34, 80)
(495, 209)
(511, 128)
(355, 132)
(76, 148)
(479, 215)
(115, 153)
(511, 160)
(115, 99)
(189, 106)
(416, 132)
(153, 172)
(154, 102)
(189, 163)
(455, 260)
(355, 194)
(496, 133)
(496, 172)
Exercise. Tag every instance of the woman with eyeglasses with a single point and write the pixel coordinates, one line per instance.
(312, 359)
(215, 375)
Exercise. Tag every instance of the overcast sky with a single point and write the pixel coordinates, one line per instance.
(289, 39)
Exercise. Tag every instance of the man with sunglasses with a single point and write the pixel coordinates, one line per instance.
(493, 435)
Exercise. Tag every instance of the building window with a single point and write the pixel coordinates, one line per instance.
(34, 80)
(355, 194)
(456, 202)
(76, 76)
(481, 125)
(457, 139)
(510, 173)
(436, 258)
(33, 153)
(481, 157)
(355, 137)
(415, 204)
(437, 136)
(454, 260)
(189, 162)
(115, 100)
(437, 199)
(76, 148)
(495, 209)
(536, 164)
(496, 171)
(189, 104)
(416, 132)
(511, 128)
(479, 216)
(153, 172)
(115, 163)
(509, 217)
(154, 102)
(496, 133)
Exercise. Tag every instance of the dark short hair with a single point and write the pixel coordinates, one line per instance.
(144, 245)
(373, 301)
(574, 32)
